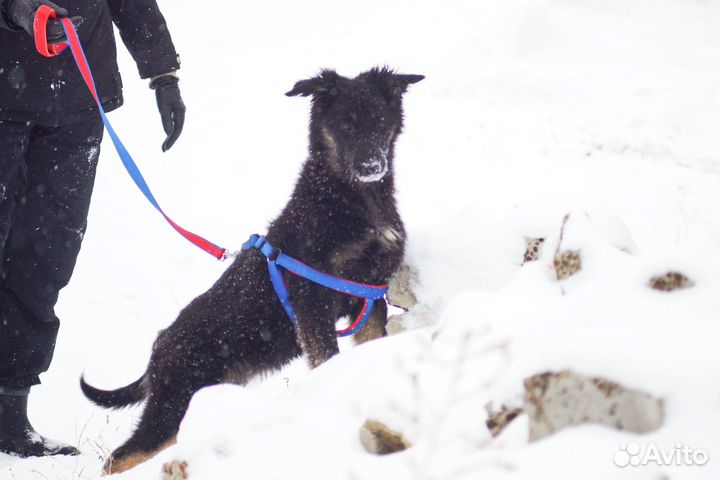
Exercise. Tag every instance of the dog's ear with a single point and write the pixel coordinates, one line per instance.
(325, 83)
(405, 80)
(392, 85)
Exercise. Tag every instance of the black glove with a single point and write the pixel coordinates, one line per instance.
(171, 107)
(22, 14)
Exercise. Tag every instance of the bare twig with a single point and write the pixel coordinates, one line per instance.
(562, 233)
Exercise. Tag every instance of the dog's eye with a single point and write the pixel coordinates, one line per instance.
(347, 126)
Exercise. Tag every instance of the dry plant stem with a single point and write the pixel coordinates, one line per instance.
(562, 233)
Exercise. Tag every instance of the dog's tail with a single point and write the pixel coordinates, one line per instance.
(122, 397)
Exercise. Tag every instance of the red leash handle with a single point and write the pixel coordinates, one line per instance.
(42, 16)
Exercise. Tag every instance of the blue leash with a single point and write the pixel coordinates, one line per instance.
(277, 260)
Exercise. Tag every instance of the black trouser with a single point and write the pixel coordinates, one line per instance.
(46, 180)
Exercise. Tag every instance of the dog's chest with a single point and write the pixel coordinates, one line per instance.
(375, 242)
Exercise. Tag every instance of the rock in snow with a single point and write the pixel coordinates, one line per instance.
(533, 249)
(498, 420)
(175, 470)
(669, 282)
(567, 263)
(400, 292)
(377, 438)
(555, 401)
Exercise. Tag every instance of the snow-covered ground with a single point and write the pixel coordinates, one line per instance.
(604, 109)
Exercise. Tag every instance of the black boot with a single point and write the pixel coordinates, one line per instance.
(18, 437)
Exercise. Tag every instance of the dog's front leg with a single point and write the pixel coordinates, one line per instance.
(316, 326)
(375, 326)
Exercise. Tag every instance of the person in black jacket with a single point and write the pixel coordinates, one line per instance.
(50, 134)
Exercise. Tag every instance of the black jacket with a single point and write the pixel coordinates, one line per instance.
(50, 91)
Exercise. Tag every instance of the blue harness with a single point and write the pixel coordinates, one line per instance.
(277, 260)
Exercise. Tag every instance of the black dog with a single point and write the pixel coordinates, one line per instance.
(342, 219)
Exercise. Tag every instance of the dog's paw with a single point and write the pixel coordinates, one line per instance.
(119, 463)
(108, 466)
(126, 457)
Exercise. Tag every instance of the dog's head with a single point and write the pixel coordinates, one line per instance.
(356, 121)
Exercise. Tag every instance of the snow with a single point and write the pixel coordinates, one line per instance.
(531, 110)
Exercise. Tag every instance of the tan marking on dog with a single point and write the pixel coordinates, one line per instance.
(113, 466)
(329, 140)
(331, 144)
(390, 237)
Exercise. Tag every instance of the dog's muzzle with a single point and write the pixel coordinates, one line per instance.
(372, 170)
